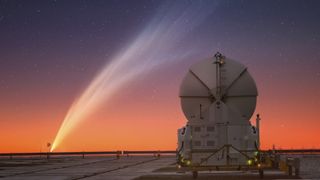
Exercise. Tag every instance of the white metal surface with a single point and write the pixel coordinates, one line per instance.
(218, 98)
(238, 90)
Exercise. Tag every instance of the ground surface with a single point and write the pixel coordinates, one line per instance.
(133, 167)
(310, 166)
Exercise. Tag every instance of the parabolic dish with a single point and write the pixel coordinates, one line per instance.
(228, 92)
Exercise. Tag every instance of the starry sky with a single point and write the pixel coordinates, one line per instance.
(52, 50)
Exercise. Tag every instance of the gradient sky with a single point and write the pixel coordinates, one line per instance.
(50, 51)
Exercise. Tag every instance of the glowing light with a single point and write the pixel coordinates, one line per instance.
(156, 46)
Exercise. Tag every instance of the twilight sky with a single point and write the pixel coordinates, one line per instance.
(135, 54)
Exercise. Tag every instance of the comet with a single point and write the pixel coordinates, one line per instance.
(158, 45)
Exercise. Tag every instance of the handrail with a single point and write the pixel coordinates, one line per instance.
(85, 153)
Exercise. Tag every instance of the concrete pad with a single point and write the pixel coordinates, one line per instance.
(133, 167)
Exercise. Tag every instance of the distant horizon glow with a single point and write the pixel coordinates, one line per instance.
(153, 48)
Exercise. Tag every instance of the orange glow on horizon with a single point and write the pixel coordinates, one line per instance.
(144, 118)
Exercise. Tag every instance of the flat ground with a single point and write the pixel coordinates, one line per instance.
(133, 167)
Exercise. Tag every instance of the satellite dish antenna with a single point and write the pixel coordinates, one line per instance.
(218, 97)
(218, 85)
